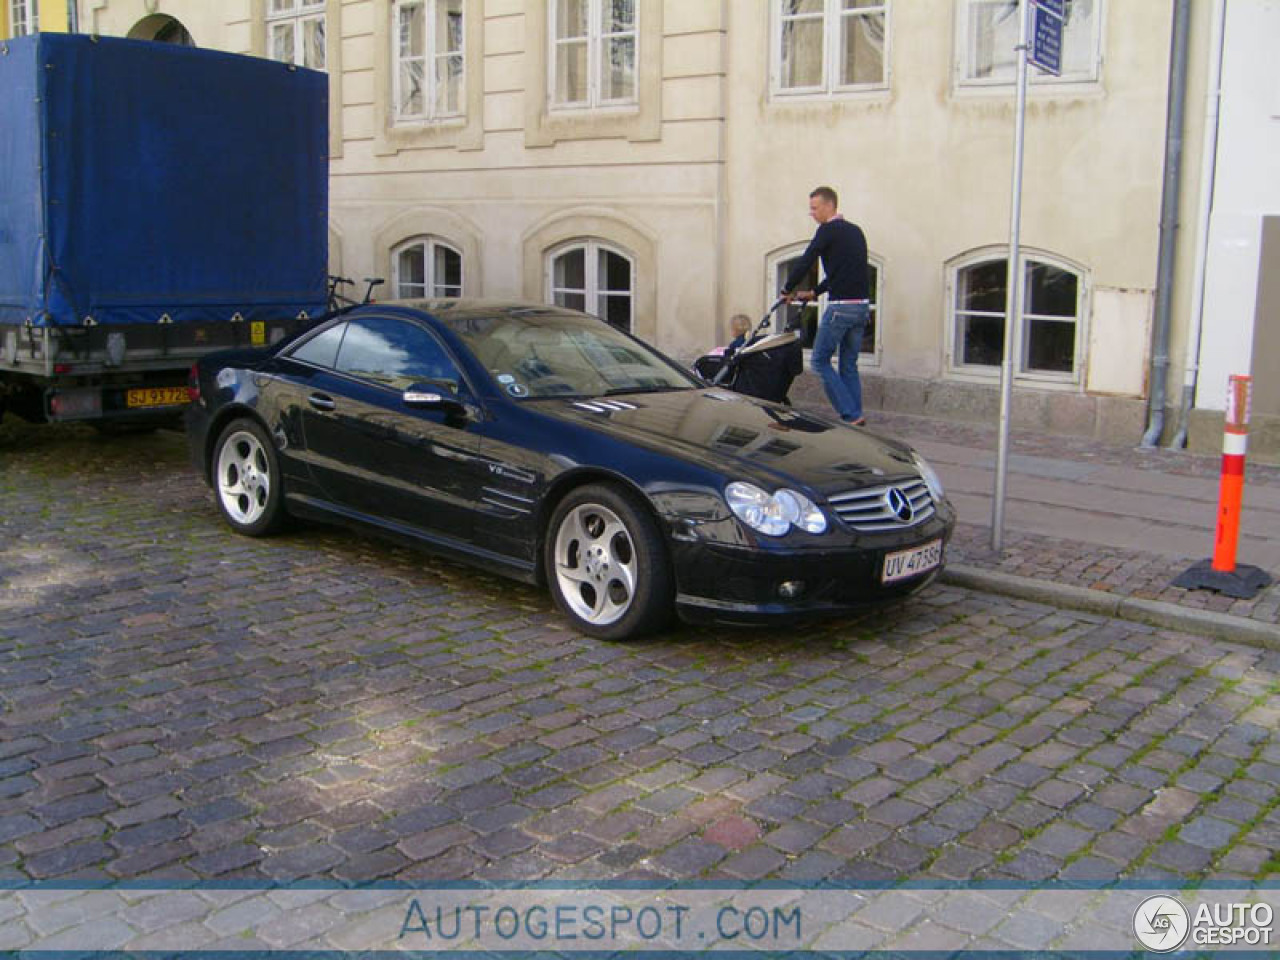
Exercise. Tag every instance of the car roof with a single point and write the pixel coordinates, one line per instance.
(462, 309)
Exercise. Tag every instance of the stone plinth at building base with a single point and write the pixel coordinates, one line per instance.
(1204, 434)
(1243, 583)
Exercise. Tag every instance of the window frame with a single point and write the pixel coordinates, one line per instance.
(293, 350)
(429, 58)
(28, 22)
(300, 13)
(833, 15)
(596, 38)
(344, 324)
(962, 64)
(591, 247)
(866, 359)
(987, 372)
(367, 379)
(429, 243)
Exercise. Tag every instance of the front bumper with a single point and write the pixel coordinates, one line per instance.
(742, 584)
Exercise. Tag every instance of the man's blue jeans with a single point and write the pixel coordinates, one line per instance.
(841, 329)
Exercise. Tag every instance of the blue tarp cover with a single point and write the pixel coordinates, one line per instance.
(141, 179)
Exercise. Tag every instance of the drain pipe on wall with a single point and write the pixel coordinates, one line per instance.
(1208, 171)
(1168, 221)
(722, 177)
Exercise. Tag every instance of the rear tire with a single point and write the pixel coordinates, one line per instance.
(607, 565)
(246, 479)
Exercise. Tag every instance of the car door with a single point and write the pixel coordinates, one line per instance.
(376, 455)
(286, 391)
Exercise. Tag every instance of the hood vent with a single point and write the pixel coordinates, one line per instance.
(604, 406)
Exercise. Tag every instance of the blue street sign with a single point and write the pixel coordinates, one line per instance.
(1046, 35)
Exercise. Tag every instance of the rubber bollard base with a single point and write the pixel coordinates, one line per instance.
(1243, 583)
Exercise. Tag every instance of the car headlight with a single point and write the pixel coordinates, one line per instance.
(930, 477)
(774, 514)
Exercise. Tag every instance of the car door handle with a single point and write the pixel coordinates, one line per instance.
(321, 402)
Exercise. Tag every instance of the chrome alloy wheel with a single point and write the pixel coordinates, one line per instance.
(244, 478)
(595, 564)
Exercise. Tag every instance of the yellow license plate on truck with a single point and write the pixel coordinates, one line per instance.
(156, 397)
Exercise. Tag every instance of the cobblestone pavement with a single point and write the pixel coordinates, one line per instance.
(182, 703)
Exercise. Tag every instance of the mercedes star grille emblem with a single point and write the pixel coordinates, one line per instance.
(899, 505)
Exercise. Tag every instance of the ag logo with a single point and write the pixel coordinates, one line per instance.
(1161, 924)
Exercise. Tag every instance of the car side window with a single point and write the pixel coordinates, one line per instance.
(393, 352)
(322, 349)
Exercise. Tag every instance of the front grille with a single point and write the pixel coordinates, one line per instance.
(870, 510)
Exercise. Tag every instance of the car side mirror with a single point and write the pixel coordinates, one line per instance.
(434, 395)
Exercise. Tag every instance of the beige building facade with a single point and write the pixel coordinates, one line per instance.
(651, 160)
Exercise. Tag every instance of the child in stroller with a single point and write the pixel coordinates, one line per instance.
(764, 365)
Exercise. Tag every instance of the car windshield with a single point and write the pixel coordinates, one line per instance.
(539, 353)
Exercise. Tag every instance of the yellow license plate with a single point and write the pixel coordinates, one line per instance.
(156, 397)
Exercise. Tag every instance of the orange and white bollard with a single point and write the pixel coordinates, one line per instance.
(1221, 573)
(1235, 444)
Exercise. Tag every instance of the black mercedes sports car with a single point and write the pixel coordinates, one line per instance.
(552, 447)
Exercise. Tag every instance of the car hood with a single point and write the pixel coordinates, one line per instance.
(767, 440)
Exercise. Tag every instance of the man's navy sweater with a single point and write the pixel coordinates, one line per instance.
(843, 250)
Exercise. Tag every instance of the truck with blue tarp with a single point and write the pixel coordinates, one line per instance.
(157, 203)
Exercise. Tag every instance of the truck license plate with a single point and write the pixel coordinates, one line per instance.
(156, 397)
(910, 563)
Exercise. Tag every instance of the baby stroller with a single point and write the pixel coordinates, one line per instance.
(763, 367)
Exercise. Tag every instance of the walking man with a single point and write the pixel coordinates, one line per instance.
(842, 248)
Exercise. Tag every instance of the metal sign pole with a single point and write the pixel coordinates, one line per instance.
(1013, 285)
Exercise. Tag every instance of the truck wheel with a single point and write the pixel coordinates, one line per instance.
(246, 479)
(607, 565)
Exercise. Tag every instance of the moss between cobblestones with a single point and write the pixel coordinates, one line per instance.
(1272, 866)
(1173, 831)
(941, 850)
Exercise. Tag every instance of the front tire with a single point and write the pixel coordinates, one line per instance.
(246, 479)
(607, 566)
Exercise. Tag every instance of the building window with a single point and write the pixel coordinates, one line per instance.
(426, 267)
(804, 317)
(296, 32)
(988, 35)
(429, 59)
(172, 31)
(595, 279)
(1051, 317)
(593, 52)
(830, 46)
(24, 18)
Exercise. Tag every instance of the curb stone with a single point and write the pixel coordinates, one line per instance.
(1220, 626)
